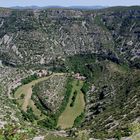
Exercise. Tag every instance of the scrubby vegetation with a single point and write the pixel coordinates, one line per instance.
(49, 122)
(29, 115)
(79, 64)
(29, 79)
(86, 87)
(16, 132)
(78, 120)
(73, 99)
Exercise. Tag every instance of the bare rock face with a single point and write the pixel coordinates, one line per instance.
(39, 138)
(56, 33)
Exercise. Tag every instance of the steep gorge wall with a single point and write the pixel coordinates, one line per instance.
(41, 36)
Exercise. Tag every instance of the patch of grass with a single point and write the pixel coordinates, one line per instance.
(135, 128)
(99, 22)
(66, 119)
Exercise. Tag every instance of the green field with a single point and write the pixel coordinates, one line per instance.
(66, 119)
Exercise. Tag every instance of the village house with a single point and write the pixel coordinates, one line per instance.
(42, 73)
(79, 77)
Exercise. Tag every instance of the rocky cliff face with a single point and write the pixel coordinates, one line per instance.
(40, 36)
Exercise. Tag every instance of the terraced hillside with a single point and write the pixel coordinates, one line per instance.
(100, 47)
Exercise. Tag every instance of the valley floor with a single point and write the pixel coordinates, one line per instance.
(74, 108)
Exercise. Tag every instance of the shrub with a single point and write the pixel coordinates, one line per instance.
(86, 87)
(78, 120)
(73, 99)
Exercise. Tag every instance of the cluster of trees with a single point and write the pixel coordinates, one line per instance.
(29, 79)
(85, 64)
(29, 115)
(78, 64)
(49, 122)
(67, 96)
(73, 99)
(86, 87)
(79, 119)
